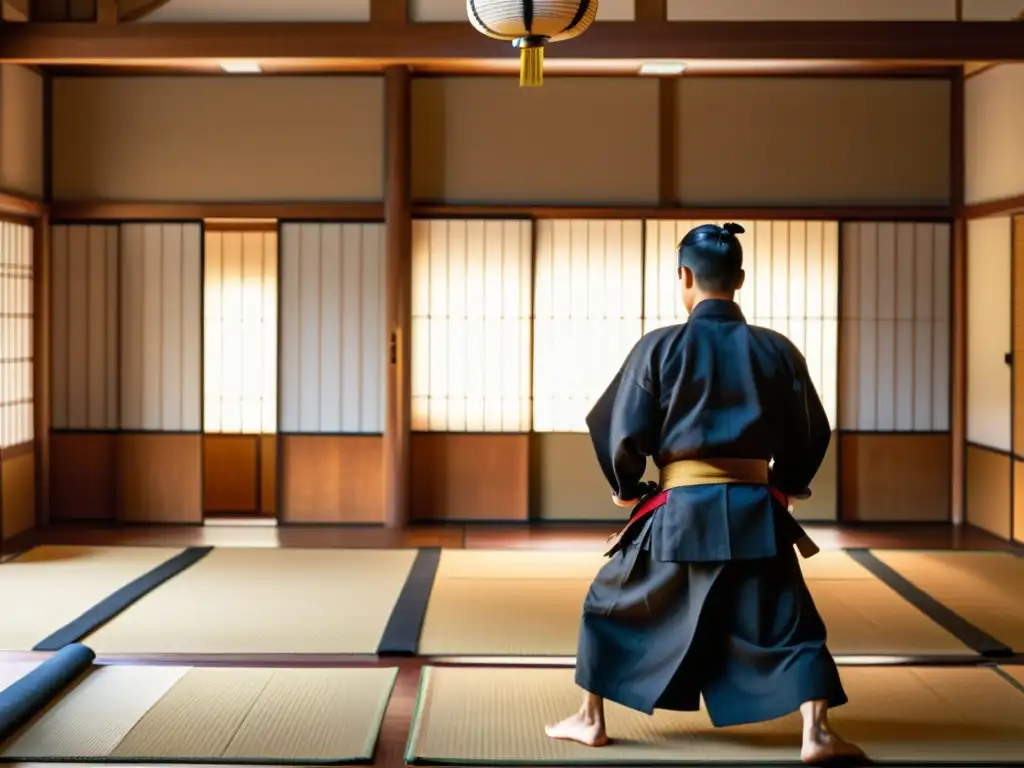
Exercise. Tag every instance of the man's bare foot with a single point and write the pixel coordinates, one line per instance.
(580, 728)
(823, 747)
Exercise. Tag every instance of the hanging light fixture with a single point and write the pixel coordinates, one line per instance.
(530, 25)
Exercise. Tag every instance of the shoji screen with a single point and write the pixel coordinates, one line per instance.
(16, 313)
(471, 307)
(240, 333)
(84, 316)
(896, 327)
(588, 306)
(332, 328)
(792, 286)
(161, 346)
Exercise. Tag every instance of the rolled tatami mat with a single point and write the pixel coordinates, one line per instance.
(982, 587)
(265, 601)
(49, 587)
(924, 715)
(210, 715)
(510, 603)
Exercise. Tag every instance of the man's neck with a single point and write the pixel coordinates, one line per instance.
(730, 296)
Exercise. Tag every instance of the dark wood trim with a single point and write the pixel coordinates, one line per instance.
(956, 140)
(990, 449)
(245, 225)
(650, 10)
(667, 138)
(938, 41)
(47, 137)
(1007, 205)
(132, 211)
(851, 213)
(13, 204)
(142, 11)
(398, 288)
(21, 449)
(389, 12)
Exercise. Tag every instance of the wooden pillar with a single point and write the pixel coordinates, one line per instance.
(398, 238)
(958, 424)
(667, 130)
(41, 365)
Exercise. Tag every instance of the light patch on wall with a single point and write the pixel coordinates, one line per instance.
(993, 126)
(240, 333)
(471, 325)
(989, 258)
(16, 344)
(455, 10)
(588, 304)
(332, 328)
(186, 11)
(792, 286)
(896, 327)
(992, 10)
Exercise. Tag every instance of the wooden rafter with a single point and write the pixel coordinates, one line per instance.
(400, 43)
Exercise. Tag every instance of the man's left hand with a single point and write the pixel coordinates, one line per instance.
(620, 503)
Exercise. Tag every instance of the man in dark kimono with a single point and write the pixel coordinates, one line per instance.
(703, 594)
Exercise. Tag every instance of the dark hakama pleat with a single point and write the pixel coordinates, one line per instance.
(745, 634)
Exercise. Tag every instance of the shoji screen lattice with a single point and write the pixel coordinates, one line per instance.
(792, 286)
(84, 312)
(471, 306)
(240, 333)
(588, 305)
(332, 328)
(896, 327)
(16, 314)
(161, 336)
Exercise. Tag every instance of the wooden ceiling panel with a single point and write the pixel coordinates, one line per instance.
(812, 10)
(992, 10)
(189, 11)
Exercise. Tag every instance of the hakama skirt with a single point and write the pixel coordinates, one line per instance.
(745, 634)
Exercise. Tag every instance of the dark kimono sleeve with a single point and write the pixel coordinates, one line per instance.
(625, 428)
(805, 432)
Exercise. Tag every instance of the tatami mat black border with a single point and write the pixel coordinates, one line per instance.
(402, 635)
(970, 635)
(118, 601)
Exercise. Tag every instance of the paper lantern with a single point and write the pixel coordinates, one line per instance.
(530, 25)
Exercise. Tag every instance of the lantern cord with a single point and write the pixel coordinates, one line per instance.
(531, 66)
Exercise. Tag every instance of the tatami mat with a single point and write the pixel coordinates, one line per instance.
(265, 601)
(510, 603)
(154, 714)
(12, 671)
(982, 587)
(48, 587)
(487, 716)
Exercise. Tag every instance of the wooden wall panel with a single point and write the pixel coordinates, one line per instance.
(83, 476)
(485, 139)
(993, 124)
(18, 491)
(989, 256)
(823, 506)
(812, 10)
(1018, 336)
(827, 146)
(333, 347)
(1018, 502)
(455, 10)
(471, 325)
(201, 139)
(21, 131)
(185, 11)
(792, 286)
(231, 483)
(588, 305)
(17, 313)
(240, 333)
(895, 478)
(988, 491)
(470, 477)
(160, 478)
(895, 367)
(84, 305)
(332, 479)
(161, 342)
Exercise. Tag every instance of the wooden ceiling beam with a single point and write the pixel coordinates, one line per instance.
(124, 43)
